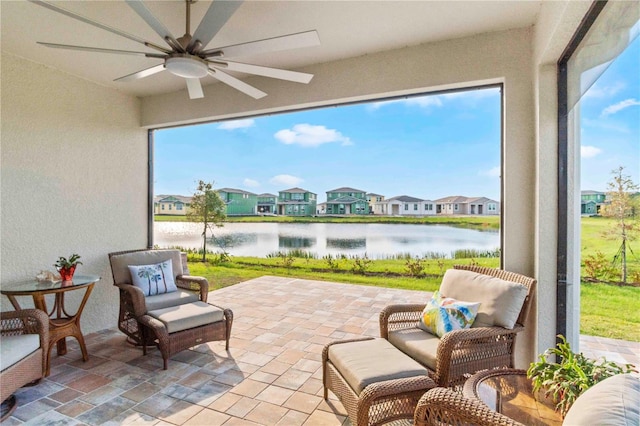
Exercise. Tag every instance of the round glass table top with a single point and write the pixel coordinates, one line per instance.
(510, 392)
(35, 285)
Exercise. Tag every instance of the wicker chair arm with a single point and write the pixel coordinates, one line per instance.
(394, 317)
(189, 282)
(134, 297)
(391, 388)
(26, 321)
(443, 406)
(476, 347)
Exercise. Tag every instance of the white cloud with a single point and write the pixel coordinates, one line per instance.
(237, 124)
(428, 101)
(252, 183)
(307, 135)
(493, 172)
(286, 180)
(596, 91)
(612, 109)
(587, 151)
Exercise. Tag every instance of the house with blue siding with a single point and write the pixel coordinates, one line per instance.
(297, 202)
(267, 203)
(591, 201)
(347, 200)
(239, 202)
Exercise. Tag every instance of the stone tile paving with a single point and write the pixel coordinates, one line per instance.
(271, 375)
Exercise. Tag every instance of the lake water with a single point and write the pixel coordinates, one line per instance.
(376, 240)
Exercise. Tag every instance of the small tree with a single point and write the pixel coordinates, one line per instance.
(207, 208)
(621, 208)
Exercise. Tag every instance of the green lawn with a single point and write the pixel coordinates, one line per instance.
(606, 310)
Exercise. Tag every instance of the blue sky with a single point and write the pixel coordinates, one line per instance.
(427, 147)
(610, 122)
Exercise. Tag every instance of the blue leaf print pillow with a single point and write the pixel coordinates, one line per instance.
(154, 279)
(444, 314)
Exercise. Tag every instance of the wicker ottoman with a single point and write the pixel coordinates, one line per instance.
(375, 382)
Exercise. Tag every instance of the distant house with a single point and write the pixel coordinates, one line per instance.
(460, 205)
(592, 201)
(321, 208)
(176, 205)
(347, 200)
(372, 199)
(239, 202)
(267, 203)
(297, 202)
(404, 205)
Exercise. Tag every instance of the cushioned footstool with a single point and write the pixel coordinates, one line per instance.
(375, 381)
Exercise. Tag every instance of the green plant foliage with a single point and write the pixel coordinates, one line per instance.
(597, 267)
(360, 264)
(567, 379)
(64, 263)
(415, 267)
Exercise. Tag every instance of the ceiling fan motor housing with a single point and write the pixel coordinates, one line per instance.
(187, 66)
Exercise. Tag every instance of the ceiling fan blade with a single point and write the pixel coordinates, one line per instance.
(217, 15)
(291, 41)
(298, 77)
(237, 84)
(154, 23)
(195, 88)
(98, 24)
(99, 49)
(142, 74)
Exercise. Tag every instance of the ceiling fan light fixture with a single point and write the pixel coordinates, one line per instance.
(187, 66)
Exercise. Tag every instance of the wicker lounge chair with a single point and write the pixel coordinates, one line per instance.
(173, 321)
(459, 353)
(25, 338)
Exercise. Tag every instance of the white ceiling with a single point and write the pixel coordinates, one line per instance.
(346, 29)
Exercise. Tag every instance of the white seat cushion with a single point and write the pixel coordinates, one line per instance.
(613, 401)
(166, 300)
(16, 348)
(418, 344)
(370, 361)
(190, 315)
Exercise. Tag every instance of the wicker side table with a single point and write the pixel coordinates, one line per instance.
(510, 392)
(393, 397)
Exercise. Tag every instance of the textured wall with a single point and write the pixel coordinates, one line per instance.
(73, 179)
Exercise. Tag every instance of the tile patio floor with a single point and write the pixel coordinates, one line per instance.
(271, 375)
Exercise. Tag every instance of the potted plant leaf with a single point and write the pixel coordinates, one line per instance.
(67, 267)
(566, 379)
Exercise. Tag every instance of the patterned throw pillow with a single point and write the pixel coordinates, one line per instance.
(154, 279)
(444, 314)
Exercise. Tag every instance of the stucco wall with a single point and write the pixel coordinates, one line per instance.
(73, 179)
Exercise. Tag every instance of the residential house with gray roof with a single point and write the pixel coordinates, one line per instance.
(347, 201)
(297, 202)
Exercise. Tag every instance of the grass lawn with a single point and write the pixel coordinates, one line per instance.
(596, 236)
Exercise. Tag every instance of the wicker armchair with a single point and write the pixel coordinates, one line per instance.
(23, 357)
(443, 406)
(150, 320)
(461, 353)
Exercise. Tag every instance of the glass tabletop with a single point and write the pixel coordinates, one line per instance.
(511, 393)
(34, 285)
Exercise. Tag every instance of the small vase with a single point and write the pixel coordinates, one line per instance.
(67, 273)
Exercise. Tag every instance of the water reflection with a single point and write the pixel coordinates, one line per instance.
(285, 242)
(376, 240)
(347, 243)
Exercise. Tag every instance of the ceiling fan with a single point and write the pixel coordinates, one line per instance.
(188, 56)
